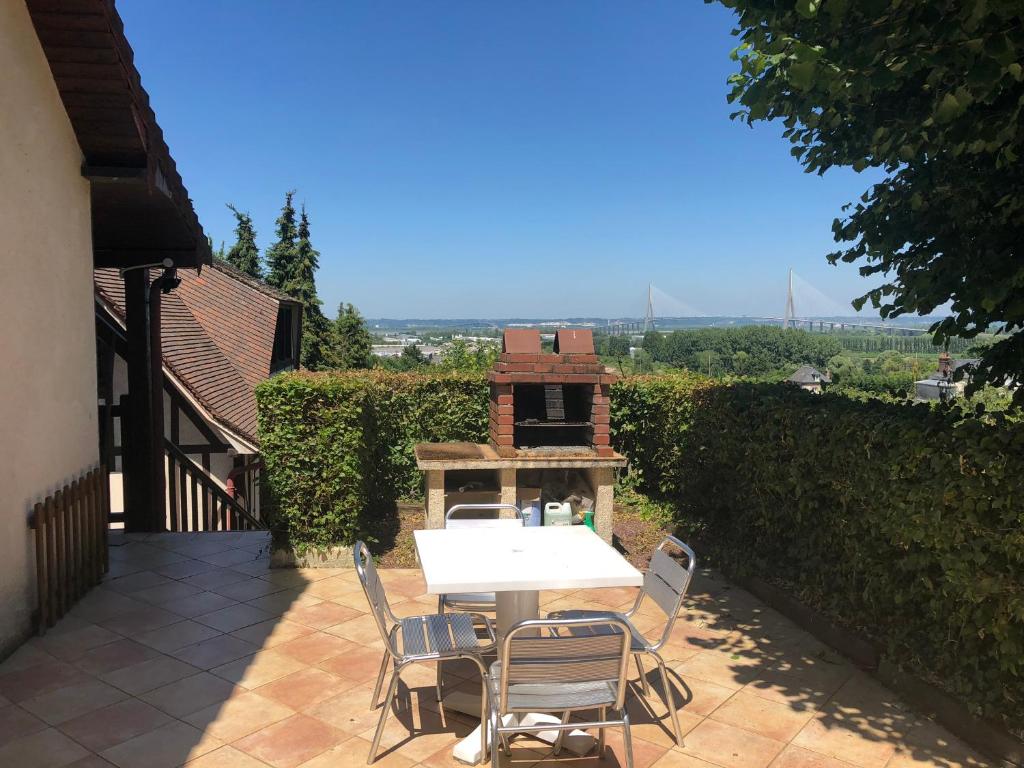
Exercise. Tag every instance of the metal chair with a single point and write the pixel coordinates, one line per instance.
(665, 582)
(431, 638)
(542, 669)
(477, 602)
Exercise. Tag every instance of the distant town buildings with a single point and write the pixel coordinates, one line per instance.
(944, 383)
(809, 378)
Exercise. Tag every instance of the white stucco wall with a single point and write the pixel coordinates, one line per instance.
(48, 419)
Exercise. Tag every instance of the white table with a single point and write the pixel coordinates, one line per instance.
(515, 564)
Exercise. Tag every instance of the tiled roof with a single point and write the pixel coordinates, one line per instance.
(218, 338)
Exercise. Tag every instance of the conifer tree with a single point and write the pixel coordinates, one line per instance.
(351, 342)
(302, 286)
(281, 255)
(244, 254)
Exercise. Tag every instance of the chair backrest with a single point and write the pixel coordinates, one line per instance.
(666, 581)
(564, 652)
(456, 516)
(374, 591)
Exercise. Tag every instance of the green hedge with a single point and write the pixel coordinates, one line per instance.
(904, 522)
(338, 446)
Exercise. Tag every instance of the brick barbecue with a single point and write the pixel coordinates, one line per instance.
(545, 403)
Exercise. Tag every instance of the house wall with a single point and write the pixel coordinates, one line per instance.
(48, 412)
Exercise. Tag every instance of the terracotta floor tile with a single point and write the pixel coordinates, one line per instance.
(190, 694)
(248, 589)
(141, 678)
(807, 684)
(92, 761)
(797, 757)
(144, 619)
(272, 632)
(71, 701)
(226, 757)
(362, 630)
(291, 578)
(352, 754)
(166, 747)
(44, 749)
(253, 671)
(284, 602)
(184, 569)
(68, 646)
(234, 617)
(238, 716)
(769, 718)
(305, 689)
(229, 558)
(417, 733)
(136, 582)
(719, 668)
(349, 711)
(323, 615)
(176, 590)
(290, 742)
(340, 590)
(360, 664)
(730, 747)
(844, 740)
(15, 723)
(256, 567)
(677, 759)
(40, 679)
(930, 744)
(175, 636)
(523, 756)
(28, 655)
(318, 647)
(114, 656)
(693, 695)
(215, 652)
(196, 605)
(102, 604)
(112, 725)
(215, 577)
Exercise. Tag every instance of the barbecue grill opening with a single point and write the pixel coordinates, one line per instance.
(552, 415)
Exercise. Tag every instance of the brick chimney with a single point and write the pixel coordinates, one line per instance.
(945, 365)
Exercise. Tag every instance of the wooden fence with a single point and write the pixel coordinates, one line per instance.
(196, 503)
(71, 544)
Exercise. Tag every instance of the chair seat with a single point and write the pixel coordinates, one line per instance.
(552, 697)
(638, 643)
(443, 634)
(470, 601)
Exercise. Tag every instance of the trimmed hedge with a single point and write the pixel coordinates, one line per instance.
(338, 446)
(904, 522)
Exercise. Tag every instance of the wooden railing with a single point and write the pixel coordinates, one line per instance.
(71, 544)
(196, 503)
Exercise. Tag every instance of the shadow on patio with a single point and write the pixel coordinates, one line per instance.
(194, 652)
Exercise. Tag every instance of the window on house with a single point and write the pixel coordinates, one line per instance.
(285, 341)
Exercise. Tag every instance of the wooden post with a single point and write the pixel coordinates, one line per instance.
(144, 463)
(603, 480)
(42, 583)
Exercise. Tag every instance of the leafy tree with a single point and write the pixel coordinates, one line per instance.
(617, 346)
(350, 341)
(302, 286)
(244, 254)
(461, 357)
(281, 256)
(931, 93)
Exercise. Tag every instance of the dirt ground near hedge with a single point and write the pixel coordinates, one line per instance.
(634, 536)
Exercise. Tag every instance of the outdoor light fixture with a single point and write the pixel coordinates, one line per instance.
(166, 264)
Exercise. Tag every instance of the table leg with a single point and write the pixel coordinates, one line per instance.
(513, 607)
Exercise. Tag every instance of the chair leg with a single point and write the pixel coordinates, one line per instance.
(392, 690)
(561, 734)
(380, 678)
(600, 734)
(670, 700)
(495, 742)
(483, 719)
(627, 739)
(643, 678)
(439, 665)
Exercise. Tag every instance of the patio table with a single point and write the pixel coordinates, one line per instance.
(516, 564)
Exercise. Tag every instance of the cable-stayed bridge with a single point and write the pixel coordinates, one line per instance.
(799, 292)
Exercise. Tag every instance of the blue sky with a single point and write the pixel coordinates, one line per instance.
(473, 159)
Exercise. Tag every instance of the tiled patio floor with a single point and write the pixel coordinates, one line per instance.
(193, 652)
